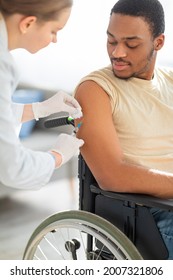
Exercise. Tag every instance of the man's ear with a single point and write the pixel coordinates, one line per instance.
(26, 23)
(159, 42)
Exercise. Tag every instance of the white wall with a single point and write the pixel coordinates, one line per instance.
(81, 48)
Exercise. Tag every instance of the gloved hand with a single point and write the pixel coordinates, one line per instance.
(59, 102)
(67, 146)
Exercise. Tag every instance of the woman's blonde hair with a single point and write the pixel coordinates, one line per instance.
(44, 10)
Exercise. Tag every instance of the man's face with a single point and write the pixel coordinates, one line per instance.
(131, 47)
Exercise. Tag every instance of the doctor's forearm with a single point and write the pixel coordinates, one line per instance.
(27, 113)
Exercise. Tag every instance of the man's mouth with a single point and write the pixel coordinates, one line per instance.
(120, 65)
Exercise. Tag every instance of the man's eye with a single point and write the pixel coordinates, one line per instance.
(112, 43)
(132, 46)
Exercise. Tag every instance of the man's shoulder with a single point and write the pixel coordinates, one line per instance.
(164, 71)
(106, 69)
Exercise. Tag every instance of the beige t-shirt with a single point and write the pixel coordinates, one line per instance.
(142, 113)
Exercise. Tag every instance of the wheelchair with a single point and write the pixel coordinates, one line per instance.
(107, 226)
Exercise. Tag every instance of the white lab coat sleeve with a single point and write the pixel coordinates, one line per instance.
(17, 111)
(20, 167)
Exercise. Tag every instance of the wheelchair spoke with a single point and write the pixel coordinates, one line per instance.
(83, 245)
(41, 251)
(54, 248)
(55, 241)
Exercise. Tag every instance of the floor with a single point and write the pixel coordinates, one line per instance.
(22, 211)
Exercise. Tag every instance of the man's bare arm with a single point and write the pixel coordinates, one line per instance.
(102, 150)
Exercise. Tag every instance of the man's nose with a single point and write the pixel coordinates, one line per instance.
(119, 51)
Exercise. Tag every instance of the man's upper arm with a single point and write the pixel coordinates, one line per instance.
(101, 149)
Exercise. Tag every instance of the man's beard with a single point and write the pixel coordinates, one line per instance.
(138, 74)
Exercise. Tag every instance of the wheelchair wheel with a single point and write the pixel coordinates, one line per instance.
(79, 235)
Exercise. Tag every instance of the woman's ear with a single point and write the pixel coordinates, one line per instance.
(159, 42)
(26, 23)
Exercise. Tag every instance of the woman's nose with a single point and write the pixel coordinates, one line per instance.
(54, 38)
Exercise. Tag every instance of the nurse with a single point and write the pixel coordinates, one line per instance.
(31, 25)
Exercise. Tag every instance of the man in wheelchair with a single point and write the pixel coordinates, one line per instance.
(128, 111)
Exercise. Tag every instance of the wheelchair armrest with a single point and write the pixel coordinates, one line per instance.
(139, 199)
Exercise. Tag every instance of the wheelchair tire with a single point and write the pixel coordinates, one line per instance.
(79, 235)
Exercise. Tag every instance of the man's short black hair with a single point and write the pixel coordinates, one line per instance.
(150, 10)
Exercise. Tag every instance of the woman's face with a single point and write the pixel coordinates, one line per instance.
(40, 35)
